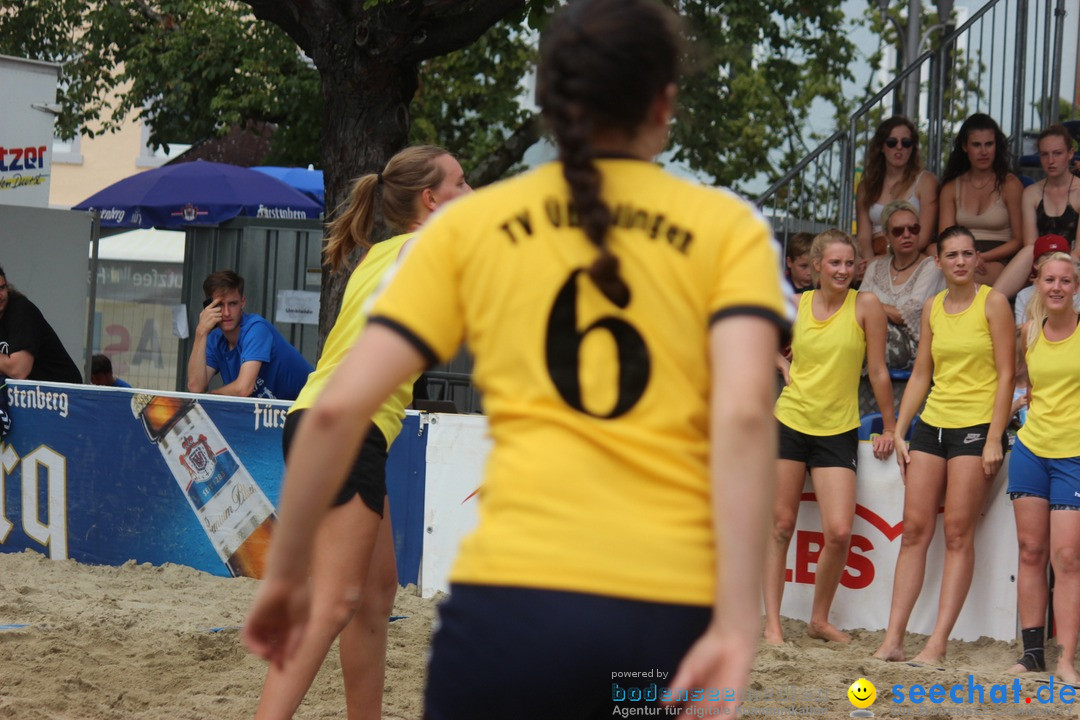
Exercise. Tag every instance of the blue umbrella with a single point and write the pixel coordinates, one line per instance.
(197, 193)
(306, 180)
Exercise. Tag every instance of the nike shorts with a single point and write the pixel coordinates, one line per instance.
(952, 442)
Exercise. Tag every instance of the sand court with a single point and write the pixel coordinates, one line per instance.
(82, 642)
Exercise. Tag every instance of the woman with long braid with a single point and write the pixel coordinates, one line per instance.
(624, 324)
(354, 576)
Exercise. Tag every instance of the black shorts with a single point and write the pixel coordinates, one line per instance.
(533, 654)
(840, 450)
(367, 478)
(952, 442)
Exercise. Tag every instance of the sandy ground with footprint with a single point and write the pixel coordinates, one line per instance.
(112, 643)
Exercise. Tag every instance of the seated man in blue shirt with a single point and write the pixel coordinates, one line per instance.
(101, 372)
(252, 356)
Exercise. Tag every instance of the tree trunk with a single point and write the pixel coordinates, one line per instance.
(368, 58)
(366, 121)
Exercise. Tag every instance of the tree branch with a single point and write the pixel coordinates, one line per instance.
(447, 25)
(494, 166)
(290, 15)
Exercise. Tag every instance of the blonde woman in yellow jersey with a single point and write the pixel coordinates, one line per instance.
(966, 347)
(353, 575)
(623, 323)
(818, 412)
(1044, 469)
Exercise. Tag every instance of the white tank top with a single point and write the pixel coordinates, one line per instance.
(877, 208)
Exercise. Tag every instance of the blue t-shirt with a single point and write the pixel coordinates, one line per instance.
(284, 370)
(117, 382)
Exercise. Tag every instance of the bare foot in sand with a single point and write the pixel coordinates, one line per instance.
(928, 658)
(889, 653)
(828, 632)
(773, 636)
(1067, 673)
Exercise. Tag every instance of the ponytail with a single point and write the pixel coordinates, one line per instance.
(394, 193)
(352, 226)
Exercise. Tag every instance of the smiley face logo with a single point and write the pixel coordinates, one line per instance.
(862, 695)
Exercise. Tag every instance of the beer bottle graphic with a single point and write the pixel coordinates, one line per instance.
(231, 507)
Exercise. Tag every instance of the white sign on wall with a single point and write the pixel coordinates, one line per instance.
(297, 306)
(26, 130)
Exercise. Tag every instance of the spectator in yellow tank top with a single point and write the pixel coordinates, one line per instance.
(818, 413)
(1044, 469)
(966, 347)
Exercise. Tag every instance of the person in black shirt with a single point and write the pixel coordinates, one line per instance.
(29, 347)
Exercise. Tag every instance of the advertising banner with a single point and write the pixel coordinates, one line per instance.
(107, 475)
(26, 130)
(458, 446)
(865, 592)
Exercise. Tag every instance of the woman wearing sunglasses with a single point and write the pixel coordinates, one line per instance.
(978, 192)
(893, 171)
(903, 280)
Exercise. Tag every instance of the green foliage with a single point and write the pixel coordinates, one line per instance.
(193, 69)
(1067, 110)
(196, 68)
(762, 69)
(189, 69)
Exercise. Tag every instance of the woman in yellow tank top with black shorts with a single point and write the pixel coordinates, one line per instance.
(1044, 469)
(354, 576)
(966, 347)
(818, 412)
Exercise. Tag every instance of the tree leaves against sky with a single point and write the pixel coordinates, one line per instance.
(196, 68)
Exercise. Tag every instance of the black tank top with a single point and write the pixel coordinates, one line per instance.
(1063, 224)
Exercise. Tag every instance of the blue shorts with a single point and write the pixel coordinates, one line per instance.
(1053, 479)
(533, 654)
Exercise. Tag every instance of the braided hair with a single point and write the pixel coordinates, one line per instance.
(602, 64)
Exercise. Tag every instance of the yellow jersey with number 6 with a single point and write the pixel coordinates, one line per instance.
(598, 478)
